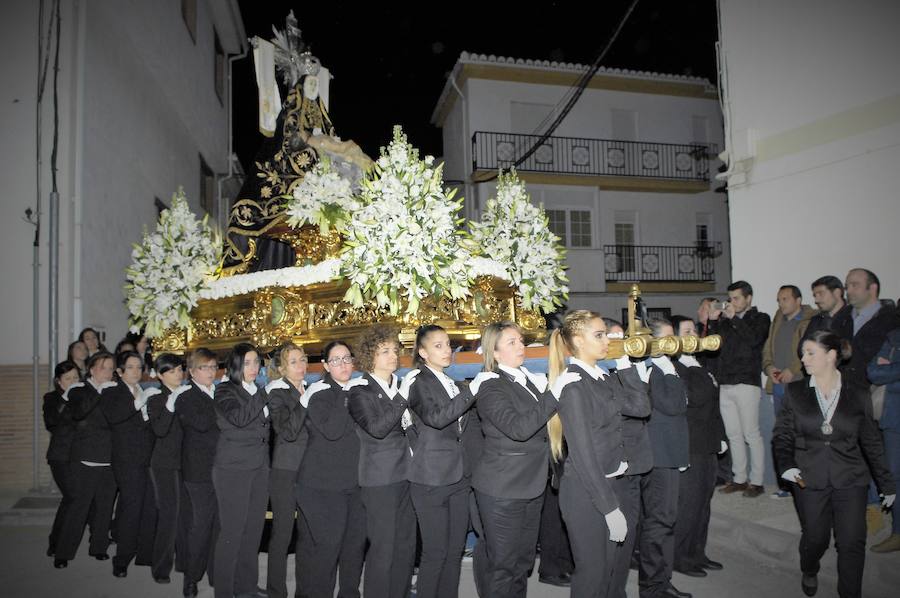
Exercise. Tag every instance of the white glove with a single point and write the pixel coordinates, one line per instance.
(359, 381)
(539, 380)
(561, 381)
(623, 465)
(106, 385)
(791, 475)
(623, 363)
(408, 380)
(643, 372)
(173, 396)
(618, 528)
(65, 395)
(724, 447)
(313, 389)
(888, 501)
(683, 469)
(480, 379)
(664, 364)
(689, 361)
(278, 383)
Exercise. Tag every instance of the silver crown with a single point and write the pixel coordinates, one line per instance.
(308, 64)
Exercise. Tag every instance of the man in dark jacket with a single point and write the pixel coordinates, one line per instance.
(828, 294)
(744, 331)
(869, 321)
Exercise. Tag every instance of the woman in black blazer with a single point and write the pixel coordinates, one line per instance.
(165, 463)
(288, 416)
(332, 519)
(591, 406)
(58, 421)
(125, 407)
(379, 409)
(439, 473)
(240, 474)
(510, 479)
(829, 446)
(92, 482)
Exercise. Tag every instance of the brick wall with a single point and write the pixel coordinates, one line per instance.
(16, 428)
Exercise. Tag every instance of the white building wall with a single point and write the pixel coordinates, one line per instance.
(137, 108)
(814, 112)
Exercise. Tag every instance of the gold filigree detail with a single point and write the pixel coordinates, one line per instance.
(173, 340)
(310, 247)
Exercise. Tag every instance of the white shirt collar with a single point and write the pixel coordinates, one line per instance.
(390, 389)
(837, 386)
(592, 370)
(250, 387)
(93, 383)
(446, 381)
(517, 374)
(210, 390)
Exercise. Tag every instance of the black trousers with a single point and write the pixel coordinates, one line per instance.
(844, 511)
(167, 494)
(241, 496)
(443, 516)
(203, 524)
(556, 554)
(505, 553)
(184, 529)
(90, 486)
(628, 492)
(135, 515)
(656, 541)
(695, 490)
(284, 507)
(593, 552)
(331, 539)
(391, 530)
(61, 472)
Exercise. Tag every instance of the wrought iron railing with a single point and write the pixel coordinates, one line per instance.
(661, 263)
(595, 157)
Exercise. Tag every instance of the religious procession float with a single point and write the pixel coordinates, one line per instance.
(323, 242)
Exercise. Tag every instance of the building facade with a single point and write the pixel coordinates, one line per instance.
(625, 179)
(142, 101)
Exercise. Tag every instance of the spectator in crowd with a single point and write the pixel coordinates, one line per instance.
(872, 322)
(744, 330)
(91, 340)
(828, 294)
(78, 354)
(885, 370)
(780, 360)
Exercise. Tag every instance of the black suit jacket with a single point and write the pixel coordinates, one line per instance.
(93, 439)
(740, 358)
(197, 414)
(515, 457)
(58, 421)
(331, 460)
(866, 343)
(705, 426)
(668, 426)
(291, 436)
(132, 437)
(243, 427)
(848, 457)
(591, 412)
(439, 458)
(167, 429)
(384, 450)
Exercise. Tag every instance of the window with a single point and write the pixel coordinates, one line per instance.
(624, 125)
(703, 236)
(625, 238)
(557, 221)
(527, 118)
(219, 75)
(189, 14)
(207, 187)
(580, 225)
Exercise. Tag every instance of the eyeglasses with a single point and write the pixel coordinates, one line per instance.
(208, 368)
(336, 361)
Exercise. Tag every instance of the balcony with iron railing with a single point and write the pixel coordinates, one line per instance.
(607, 163)
(661, 263)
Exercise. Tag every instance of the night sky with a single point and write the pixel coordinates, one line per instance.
(390, 60)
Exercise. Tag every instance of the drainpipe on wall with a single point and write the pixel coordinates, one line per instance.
(472, 202)
(222, 215)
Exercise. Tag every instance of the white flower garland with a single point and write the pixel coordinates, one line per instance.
(169, 268)
(402, 242)
(516, 234)
(283, 277)
(322, 198)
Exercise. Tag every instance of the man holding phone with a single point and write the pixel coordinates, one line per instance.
(744, 331)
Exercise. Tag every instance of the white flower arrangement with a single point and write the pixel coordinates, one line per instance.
(322, 198)
(283, 277)
(516, 234)
(403, 242)
(483, 266)
(169, 269)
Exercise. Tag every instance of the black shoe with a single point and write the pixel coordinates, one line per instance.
(673, 592)
(51, 551)
(698, 572)
(190, 589)
(712, 565)
(564, 580)
(101, 556)
(120, 571)
(60, 563)
(162, 579)
(809, 583)
(258, 593)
